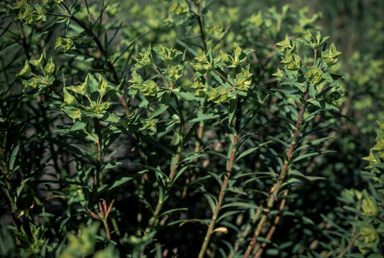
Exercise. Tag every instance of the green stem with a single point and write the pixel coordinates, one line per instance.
(117, 230)
(98, 173)
(276, 188)
(181, 141)
(154, 218)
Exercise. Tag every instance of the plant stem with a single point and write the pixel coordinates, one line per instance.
(154, 219)
(57, 15)
(225, 79)
(301, 60)
(273, 228)
(98, 173)
(353, 240)
(201, 30)
(276, 188)
(117, 230)
(200, 131)
(245, 233)
(181, 141)
(107, 232)
(225, 181)
(221, 198)
(165, 81)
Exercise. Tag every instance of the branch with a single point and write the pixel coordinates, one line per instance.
(276, 188)
(225, 79)
(225, 183)
(273, 228)
(181, 141)
(353, 240)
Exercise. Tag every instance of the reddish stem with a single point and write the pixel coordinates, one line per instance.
(276, 188)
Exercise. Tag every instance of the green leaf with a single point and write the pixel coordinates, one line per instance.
(272, 251)
(25, 71)
(310, 178)
(22, 184)
(212, 201)
(13, 156)
(166, 54)
(173, 210)
(50, 67)
(110, 117)
(228, 213)
(351, 209)
(375, 256)
(71, 148)
(249, 151)
(185, 52)
(242, 205)
(308, 220)
(112, 165)
(145, 61)
(119, 182)
(38, 63)
(186, 95)
(191, 157)
(312, 143)
(159, 110)
(83, 89)
(68, 98)
(127, 47)
(159, 145)
(307, 155)
(72, 112)
(202, 117)
(192, 220)
(102, 86)
(61, 183)
(66, 43)
(78, 126)
(334, 224)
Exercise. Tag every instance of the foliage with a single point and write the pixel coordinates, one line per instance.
(184, 125)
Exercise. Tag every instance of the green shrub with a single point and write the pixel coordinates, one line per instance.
(185, 126)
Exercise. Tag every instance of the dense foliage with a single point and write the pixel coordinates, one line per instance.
(188, 129)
